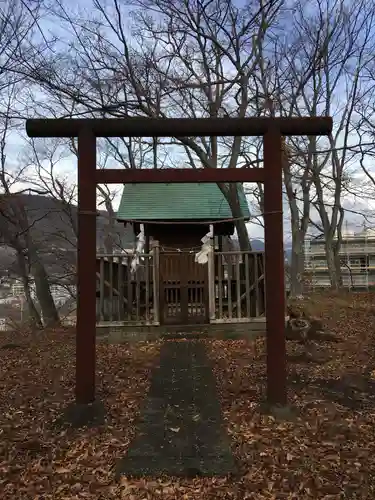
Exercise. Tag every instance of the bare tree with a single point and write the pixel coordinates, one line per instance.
(50, 169)
(18, 20)
(16, 226)
(319, 69)
(346, 34)
(182, 59)
(365, 109)
(281, 93)
(219, 58)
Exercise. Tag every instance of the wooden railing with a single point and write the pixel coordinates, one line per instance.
(232, 290)
(239, 290)
(123, 295)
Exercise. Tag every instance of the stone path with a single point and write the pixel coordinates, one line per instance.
(180, 432)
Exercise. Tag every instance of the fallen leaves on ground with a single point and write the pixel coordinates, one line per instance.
(41, 460)
(326, 452)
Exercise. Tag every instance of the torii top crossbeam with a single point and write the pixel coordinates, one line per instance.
(177, 127)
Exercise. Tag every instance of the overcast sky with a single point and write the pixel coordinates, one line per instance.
(67, 167)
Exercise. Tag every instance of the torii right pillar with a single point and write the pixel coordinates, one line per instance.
(274, 267)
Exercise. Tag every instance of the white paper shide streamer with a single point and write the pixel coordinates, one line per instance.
(139, 249)
(202, 256)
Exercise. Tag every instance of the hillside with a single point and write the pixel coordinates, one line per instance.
(51, 227)
(50, 219)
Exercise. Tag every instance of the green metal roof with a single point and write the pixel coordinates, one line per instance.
(177, 201)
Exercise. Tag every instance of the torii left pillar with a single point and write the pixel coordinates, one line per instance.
(86, 262)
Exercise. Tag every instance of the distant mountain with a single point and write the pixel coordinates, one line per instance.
(51, 220)
(258, 246)
(51, 225)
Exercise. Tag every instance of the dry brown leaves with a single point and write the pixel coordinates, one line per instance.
(328, 452)
(37, 381)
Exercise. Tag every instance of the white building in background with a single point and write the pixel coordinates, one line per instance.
(357, 254)
(59, 293)
(17, 289)
(60, 296)
(17, 301)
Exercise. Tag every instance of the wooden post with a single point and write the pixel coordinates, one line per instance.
(274, 268)
(86, 265)
(147, 240)
(156, 281)
(101, 289)
(211, 281)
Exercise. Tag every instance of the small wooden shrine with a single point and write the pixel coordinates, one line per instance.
(175, 217)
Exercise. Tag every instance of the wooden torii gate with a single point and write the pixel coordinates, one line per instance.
(272, 130)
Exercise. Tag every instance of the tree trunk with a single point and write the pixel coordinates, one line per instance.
(43, 291)
(34, 319)
(337, 246)
(336, 253)
(243, 235)
(297, 263)
(108, 243)
(231, 195)
(110, 227)
(331, 264)
(299, 224)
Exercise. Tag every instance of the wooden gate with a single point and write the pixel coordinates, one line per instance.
(183, 289)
